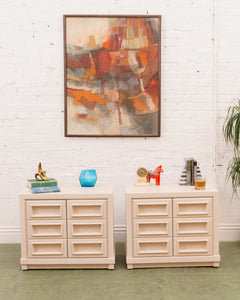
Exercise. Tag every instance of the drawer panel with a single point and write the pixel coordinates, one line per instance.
(84, 228)
(87, 248)
(46, 209)
(152, 228)
(47, 248)
(153, 247)
(192, 246)
(47, 229)
(148, 208)
(78, 209)
(187, 207)
(192, 226)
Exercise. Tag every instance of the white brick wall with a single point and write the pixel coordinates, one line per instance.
(228, 88)
(31, 99)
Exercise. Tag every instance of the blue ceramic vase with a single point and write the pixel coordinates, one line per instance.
(88, 178)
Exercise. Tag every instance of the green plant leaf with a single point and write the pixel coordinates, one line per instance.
(233, 172)
(231, 125)
(231, 133)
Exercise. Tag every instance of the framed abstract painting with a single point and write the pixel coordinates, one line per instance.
(112, 76)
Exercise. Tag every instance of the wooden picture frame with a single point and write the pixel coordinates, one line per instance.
(112, 75)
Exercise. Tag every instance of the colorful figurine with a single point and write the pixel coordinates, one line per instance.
(156, 175)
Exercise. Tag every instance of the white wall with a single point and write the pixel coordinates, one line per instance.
(227, 89)
(200, 60)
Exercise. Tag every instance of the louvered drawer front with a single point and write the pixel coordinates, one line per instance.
(47, 248)
(192, 226)
(192, 246)
(80, 209)
(46, 209)
(87, 248)
(187, 207)
(84, 228)
(153, 247)
(149, 208)
(47, 229)
(152, 228)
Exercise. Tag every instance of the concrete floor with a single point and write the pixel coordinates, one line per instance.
(160, 284)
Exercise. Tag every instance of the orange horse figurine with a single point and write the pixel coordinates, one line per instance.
(156, 175)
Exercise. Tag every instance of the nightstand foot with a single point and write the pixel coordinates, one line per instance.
(24, 267)
(129, 266)
(216, 264)
(110, 267)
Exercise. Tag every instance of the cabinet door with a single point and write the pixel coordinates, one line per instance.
(192, 246)
(78, 209)
(152, 228)
(87, 248)
(153, 247)
(46, 209)
(47, 229)
(47, 248)
(85, 228)
(147, 208)
(188, 207)
(192, 226)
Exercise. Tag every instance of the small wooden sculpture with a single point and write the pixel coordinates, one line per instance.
(41, 175)
(156, 175)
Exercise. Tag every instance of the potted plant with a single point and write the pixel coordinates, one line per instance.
(231, 132)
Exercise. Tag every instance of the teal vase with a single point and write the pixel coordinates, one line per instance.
(88, 178)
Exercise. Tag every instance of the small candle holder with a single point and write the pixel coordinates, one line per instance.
(88, 178)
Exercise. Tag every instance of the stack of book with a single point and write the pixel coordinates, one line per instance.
(190, 172)
(42, 186)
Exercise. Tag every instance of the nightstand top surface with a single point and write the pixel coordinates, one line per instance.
(170, 190)
(72, 191)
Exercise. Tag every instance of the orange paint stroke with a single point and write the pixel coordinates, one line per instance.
(135, 97)
(114, 29)
(143, 58)
(151, 90)
(92, 69)
(73, 77)
(86, 117)
(114, 53)
(107, 43)
(140, 105)
(78, 94)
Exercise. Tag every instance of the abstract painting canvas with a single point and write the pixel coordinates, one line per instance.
(112, 76)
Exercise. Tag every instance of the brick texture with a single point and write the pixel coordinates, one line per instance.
(200, 77)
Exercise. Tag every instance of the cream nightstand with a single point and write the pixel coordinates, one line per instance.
(171, 225)
(69, 229)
